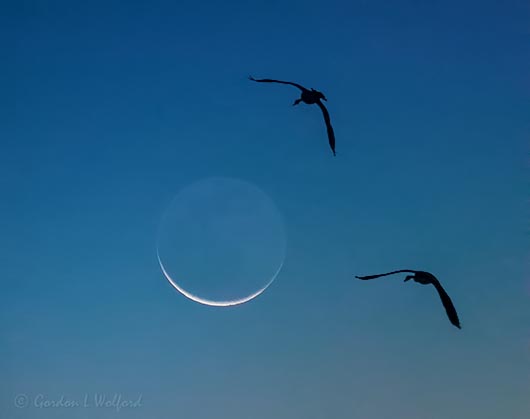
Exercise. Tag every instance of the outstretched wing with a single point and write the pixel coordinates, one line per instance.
(388, 273)
(331, 134)
(448, 304)
(302, 88)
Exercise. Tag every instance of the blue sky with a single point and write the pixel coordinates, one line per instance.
(109, 109)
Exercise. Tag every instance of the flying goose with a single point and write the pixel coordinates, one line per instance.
(426, 278)
(311, 97)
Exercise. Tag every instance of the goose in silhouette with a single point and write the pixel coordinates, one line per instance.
(311, 97)
(426, 278)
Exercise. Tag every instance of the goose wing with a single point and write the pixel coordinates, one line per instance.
(385, 274)
(331, 134)
(302, 88)
(448, 304)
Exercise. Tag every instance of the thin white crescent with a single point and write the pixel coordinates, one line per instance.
(214, 303)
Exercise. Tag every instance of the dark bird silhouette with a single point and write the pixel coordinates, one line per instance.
(311, 97)
(426, 278)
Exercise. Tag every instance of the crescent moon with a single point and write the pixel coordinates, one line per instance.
(214, 303)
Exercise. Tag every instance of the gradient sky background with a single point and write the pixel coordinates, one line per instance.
(109, 109)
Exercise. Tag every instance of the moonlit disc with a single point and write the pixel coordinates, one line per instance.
(221, 242)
